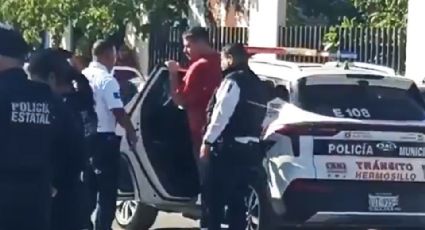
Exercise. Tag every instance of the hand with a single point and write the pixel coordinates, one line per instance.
(132, 139)
(205, 151)
(173, 67)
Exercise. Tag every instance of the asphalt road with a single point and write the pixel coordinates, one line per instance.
(167, 221)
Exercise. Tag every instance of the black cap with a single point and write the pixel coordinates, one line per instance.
(12, 44)
(64, 53)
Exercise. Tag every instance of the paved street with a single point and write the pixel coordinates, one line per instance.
(171, 222)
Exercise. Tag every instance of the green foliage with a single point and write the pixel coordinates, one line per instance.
(333, 10)
(33, 16)
(94, 18)
(331, 40)
(372, 13)
(382, 13)
(376, 13)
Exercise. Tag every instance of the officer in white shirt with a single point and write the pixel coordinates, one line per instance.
(102, 175)
(231, 147)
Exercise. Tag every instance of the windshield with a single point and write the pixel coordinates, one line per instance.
(363, 102)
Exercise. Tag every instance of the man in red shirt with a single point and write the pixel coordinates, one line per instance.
(195, 89)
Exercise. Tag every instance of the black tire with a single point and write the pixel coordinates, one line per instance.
(264, 210)
(143, 218)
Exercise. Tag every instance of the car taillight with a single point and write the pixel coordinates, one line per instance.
(307, 129)
(294, 131)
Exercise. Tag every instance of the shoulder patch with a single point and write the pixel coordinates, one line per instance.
(117, 95)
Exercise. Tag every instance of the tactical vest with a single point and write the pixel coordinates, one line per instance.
(250, 111)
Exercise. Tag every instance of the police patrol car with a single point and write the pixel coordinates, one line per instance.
(345, 148)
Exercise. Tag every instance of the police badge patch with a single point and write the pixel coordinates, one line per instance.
(117, 95)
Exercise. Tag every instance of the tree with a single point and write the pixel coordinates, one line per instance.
(213, 8)
(381, 13)
(372, 13)
(94, 18)
(332, 10)
(35, 16)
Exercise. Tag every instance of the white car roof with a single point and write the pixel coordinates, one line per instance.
(328, 72)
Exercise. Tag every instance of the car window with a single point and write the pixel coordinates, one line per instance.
(129, 83)
(363, 102)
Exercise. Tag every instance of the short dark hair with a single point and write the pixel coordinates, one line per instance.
(12, 44)
(237, 51)
(100, 47)
(65, 53)
(196, 34)
(46, 61)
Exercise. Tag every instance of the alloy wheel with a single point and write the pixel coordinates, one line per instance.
(125, 211)
(253, 210)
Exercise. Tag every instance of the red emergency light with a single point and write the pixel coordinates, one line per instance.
(252, 50)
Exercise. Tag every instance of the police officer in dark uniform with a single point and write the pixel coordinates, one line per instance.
(34, 130)
(231, 141)
(51, 67)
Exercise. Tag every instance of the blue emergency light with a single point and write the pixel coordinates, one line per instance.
(344, 55)
(340, 55)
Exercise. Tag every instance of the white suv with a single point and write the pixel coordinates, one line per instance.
(348, 142)
(347, 148)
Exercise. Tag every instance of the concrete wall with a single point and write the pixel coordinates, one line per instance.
(265, 19)
(141, 47)
(415, 49)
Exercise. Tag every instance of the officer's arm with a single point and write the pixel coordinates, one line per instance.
(69, 150)
(112, 98)
(227, 97)
(123, 119)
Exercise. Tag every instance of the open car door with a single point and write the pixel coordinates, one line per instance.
(131, 83)
(163, 166)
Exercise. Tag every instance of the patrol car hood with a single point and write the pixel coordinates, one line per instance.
(291, 114)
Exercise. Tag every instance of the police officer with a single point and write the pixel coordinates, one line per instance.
(35, 129)
(51, 67)
(102, 177)
(231, 140)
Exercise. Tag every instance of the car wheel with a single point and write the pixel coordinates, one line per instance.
(258, 209)
(134, 215)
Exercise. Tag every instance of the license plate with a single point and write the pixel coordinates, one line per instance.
(383, 203)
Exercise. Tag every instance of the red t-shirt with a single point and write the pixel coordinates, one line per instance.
(202, 78)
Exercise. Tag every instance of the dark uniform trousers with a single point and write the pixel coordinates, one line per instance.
(25, 203)
(230, 168)
(101, 180)
(66, 207)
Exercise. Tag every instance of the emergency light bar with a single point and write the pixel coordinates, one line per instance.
(339, 55)
(252, 50)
